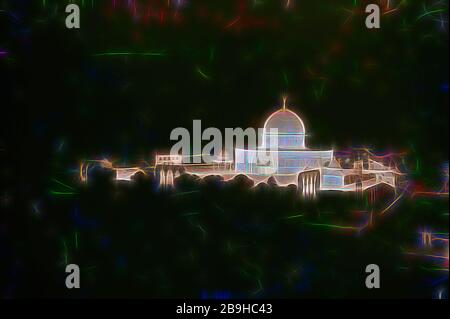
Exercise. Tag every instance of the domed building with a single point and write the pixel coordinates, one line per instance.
(283, 153)
(284, 157)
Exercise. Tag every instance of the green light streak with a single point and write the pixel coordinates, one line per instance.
(130, 54)
(62, 193)
(184, 193)
(428, 13)
(333, 226)
(293, 216)
(204, 75)
(202, 229)
(61, 183)
(211, 54)
(66, 254)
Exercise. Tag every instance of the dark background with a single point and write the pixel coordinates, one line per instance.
(227, 63)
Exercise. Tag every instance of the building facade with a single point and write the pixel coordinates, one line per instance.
(283, 157)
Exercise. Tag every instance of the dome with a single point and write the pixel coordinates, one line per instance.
(290, 132)
(286, 121)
